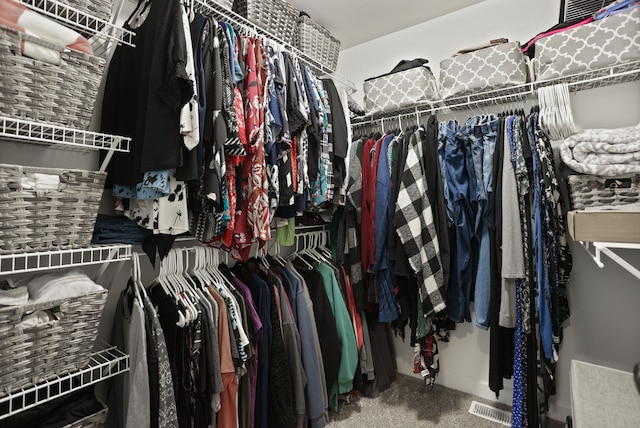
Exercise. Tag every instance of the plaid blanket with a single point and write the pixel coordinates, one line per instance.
(413, 220)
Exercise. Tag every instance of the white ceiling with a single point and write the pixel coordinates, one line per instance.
(357, 21)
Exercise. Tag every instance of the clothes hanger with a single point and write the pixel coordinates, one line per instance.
(135, 275)
(170, 292)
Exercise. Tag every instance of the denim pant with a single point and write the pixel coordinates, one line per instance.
(457, 160)
(466, 156)
(485, 134)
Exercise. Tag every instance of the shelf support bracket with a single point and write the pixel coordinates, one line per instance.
(605, 247)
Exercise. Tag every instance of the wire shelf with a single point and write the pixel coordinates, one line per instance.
(56, 259)
(613, 75)
(59, 136)
(80, 20)
(211, 7)
(103, 364)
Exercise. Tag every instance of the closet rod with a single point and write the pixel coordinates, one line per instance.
(214, 8)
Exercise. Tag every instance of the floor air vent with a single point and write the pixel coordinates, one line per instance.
(487, 412)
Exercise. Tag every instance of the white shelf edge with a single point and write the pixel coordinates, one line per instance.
(606, 248)
(56, 135)
(103, 364)
(55, 259)
(80, 20)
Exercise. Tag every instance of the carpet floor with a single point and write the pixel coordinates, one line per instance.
(409, 403)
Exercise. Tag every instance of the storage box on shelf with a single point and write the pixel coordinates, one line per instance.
(276, 16)
(401, 89)
(317, 42)
(604, 226)
(599, 44)
(587, 191)
(36, 220)
(32, 355)
(484, 69)
(62, 94)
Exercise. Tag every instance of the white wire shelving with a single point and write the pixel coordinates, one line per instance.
(103, 364)
(55, 135)
(80, 20)
(606, 248)
(212, 7)
(56, 259)
(617, 74)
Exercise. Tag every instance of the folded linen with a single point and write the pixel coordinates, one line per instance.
(14, 296)
(603, 152)
(59, 285)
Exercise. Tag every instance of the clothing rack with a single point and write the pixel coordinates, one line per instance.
(212, 7)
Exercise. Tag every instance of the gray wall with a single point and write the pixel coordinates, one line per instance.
(603, 327)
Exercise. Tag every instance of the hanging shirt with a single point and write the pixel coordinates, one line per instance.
(349, 349)
(143, 101)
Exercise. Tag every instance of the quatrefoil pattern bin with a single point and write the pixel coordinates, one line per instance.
(490, 68)
(610, 41)
(399, 90)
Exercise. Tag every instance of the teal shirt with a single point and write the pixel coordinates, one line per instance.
(349, 356)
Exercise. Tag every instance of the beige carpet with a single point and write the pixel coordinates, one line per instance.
(409, 403)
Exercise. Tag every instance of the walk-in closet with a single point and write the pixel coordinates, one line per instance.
(288, 213)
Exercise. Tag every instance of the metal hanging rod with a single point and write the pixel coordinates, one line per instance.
(212, 7)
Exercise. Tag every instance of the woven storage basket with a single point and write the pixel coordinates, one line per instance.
(30, 89)
(30, 356)
(592, 191)
(276, 16)
(95, 8)
(227, 4)
(96, 420)
(33, 220)
(317, 42)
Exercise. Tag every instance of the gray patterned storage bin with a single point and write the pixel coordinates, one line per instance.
(395, 91)
(490, 68)
(610, 41)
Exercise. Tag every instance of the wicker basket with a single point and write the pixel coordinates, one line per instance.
(227, 4)
(30, 356)
(33, 220)
(95, 8)
(317, 42)
(61, 94)
(276, 16)
(593, 191)
(97, 420)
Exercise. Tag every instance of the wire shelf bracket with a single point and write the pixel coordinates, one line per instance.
(606, 248)
(47, 260)
(103, 364)
(80, 20)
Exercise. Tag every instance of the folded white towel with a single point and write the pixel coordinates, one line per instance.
(60, 285)
(14, 296)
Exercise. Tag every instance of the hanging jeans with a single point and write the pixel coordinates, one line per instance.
(457, 160)
(484, 144)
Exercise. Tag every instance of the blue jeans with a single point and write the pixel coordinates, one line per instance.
(485, 133)
(459, 186)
